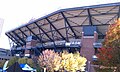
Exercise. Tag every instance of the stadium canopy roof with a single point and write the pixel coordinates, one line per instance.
(65, 24)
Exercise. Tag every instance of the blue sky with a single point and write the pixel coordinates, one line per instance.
(18, 12)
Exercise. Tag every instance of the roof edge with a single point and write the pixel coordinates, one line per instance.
(68, 9)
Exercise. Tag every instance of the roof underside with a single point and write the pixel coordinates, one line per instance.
(67, 23)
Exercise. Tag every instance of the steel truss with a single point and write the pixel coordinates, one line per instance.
(71, 21)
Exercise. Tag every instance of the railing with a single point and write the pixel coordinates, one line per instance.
(97, 45)
(61, 43)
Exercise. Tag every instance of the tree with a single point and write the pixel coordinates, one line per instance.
(73, 62)
(49, 60)
(21, 61)
(63, 61)
(2, 63)
(26, 61)
(12, 61)
(105, 55)
(112, 39)
(31, 63)
(109, 54)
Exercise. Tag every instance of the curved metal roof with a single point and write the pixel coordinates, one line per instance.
(65, 24)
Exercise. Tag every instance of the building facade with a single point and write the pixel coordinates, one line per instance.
(5, 54)
(75, 29)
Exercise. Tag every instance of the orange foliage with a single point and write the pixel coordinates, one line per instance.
(112, 34)
(109, 53)
(105, 55)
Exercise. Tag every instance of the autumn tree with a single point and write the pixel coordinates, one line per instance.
(49, 59)
(110, 52)
(63, 61)
(112, 39)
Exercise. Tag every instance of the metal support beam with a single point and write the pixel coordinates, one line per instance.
(41, 39)
(16, 39)
(19, 37)
(22, 32)
(43, 31)
(12, 39)
(55, 28)
(69, 24)
(34, 34)
(66, 29)
(86, 16)
(111, 19)
(53, 36)
(119, 12)
(90, 17)
(51, 32)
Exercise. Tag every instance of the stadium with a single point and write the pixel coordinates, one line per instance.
(74, 29)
